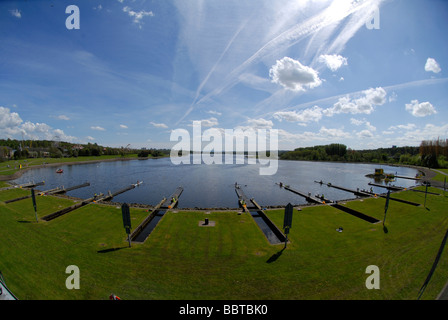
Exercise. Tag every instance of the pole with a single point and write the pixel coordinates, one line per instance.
(126, 220)
(33, 197)
(444, 184)
(426, 193)
(386, 206)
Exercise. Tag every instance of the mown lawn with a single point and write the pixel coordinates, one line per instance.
(232, 260)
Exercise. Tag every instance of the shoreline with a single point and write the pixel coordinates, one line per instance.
(20, 172)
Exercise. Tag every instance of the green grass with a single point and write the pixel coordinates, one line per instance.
(441, 177)
(232, 260)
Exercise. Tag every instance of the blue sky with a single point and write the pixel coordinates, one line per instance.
(135, 70)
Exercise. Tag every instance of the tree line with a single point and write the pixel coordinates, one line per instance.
(433, 154)
(22, 149)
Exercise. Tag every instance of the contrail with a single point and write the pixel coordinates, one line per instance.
(198, 91)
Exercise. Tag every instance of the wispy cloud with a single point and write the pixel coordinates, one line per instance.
(16, 13)
(97, 128)
(137, 16)
(325, 32)
(159, 125)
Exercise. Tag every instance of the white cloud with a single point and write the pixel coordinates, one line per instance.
(409, 126)
(11, 125)
(307, 115)
(364, 104)
(260, 123)
(292, 75)
(368, 125)
(334, 133)
(209, 122)
(138, 16)
(334, 61)
(365, 134)
(62, 117)
(16, 13)
(214, 112)
(159, 125)
(414, 137)
(97, 128)
(422, 109)
(432, 66)
(8, 119)
(123, 126)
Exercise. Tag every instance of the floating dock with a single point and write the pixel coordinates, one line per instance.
(173, 200)
(396, 188)
(336, 205)
(141, 233)
(50, 192)
(392, 188)
(357, 192)
(270, 230)
(308, 197)
(25, 185)
(61, 212)
(110, 195)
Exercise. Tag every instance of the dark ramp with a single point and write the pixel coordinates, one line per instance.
(149, 227)
(269, 229)
(272, 237)
(141, 233)
(356, 213)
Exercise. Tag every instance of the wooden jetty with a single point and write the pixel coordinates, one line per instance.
(308, 197)
(396, 188)
(243, 200)
(137, 231)
(410, 178)
(50, 192)
(392, 188)
(61, 212)
(25, 185)
(359, 193)
(173, 200)
(64, 190)
(110, 195)
(273, 234)
(336, 205)
(144, 229)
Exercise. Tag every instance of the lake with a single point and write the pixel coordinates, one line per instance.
(212, 186)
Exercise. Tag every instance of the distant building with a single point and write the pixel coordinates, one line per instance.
(6, 152)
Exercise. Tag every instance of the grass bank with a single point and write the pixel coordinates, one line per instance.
(13, 168)
(232, 260)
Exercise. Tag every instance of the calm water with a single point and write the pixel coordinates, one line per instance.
(212, 186)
